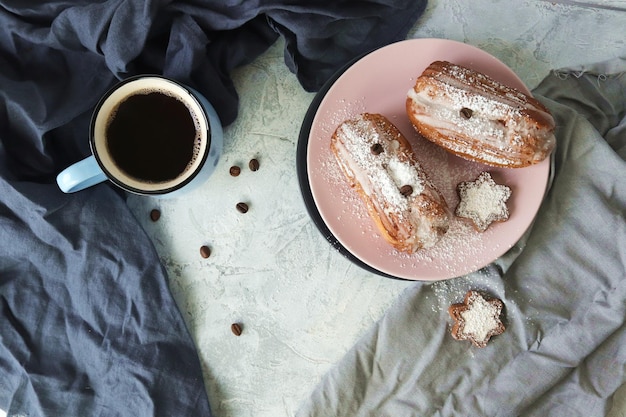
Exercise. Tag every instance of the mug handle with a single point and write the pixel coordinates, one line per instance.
(81, 175)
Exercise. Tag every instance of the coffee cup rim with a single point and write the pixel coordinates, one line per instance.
(190, 176)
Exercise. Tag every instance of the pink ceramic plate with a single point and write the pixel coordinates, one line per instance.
(378, 83)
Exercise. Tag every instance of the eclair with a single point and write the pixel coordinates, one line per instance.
(379, 163)
(478, 118)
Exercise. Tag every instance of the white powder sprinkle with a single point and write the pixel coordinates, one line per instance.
(502, 118)
(483, 201)
(382, 174)
(480, 318)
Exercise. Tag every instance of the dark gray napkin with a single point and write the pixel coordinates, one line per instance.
(88, 326)
(563, 286)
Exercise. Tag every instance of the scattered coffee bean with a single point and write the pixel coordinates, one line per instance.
(406, 190)
(235, 170)
(205, 251)
(466, 113)
(253, 164)
(236, 329)
(377, 149)
(155, 215)
(242, 207)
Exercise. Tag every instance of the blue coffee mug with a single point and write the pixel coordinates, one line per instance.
(149, 135)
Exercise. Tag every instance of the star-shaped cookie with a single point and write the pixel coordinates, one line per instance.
(483, 201)
(476, 319)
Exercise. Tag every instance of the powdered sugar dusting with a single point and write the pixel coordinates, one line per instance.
(382, 173)
(483, 201)
(341, 110)
(480, 318)
(476, 319)
(467, 107)
(457, 250)
(454, 250)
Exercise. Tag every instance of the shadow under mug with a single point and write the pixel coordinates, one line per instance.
(149, 135)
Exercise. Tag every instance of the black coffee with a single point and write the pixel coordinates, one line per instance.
(151, 136)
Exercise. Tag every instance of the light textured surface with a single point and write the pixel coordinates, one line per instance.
(301, 303)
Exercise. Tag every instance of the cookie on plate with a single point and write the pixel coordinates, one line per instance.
(483, 201)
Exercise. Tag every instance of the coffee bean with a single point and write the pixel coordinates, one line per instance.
(406, 190)
(155, 215)
(253, 164)
(205, 251)
(235, 170)
(466, 113)
(242, 207)
(377, 149)
(236, 328)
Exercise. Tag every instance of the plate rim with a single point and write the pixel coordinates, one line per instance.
(303, 176)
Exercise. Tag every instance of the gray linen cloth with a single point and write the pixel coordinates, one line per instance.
(563, 286)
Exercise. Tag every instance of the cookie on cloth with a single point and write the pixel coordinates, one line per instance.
(483, 201)
(476, 319)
